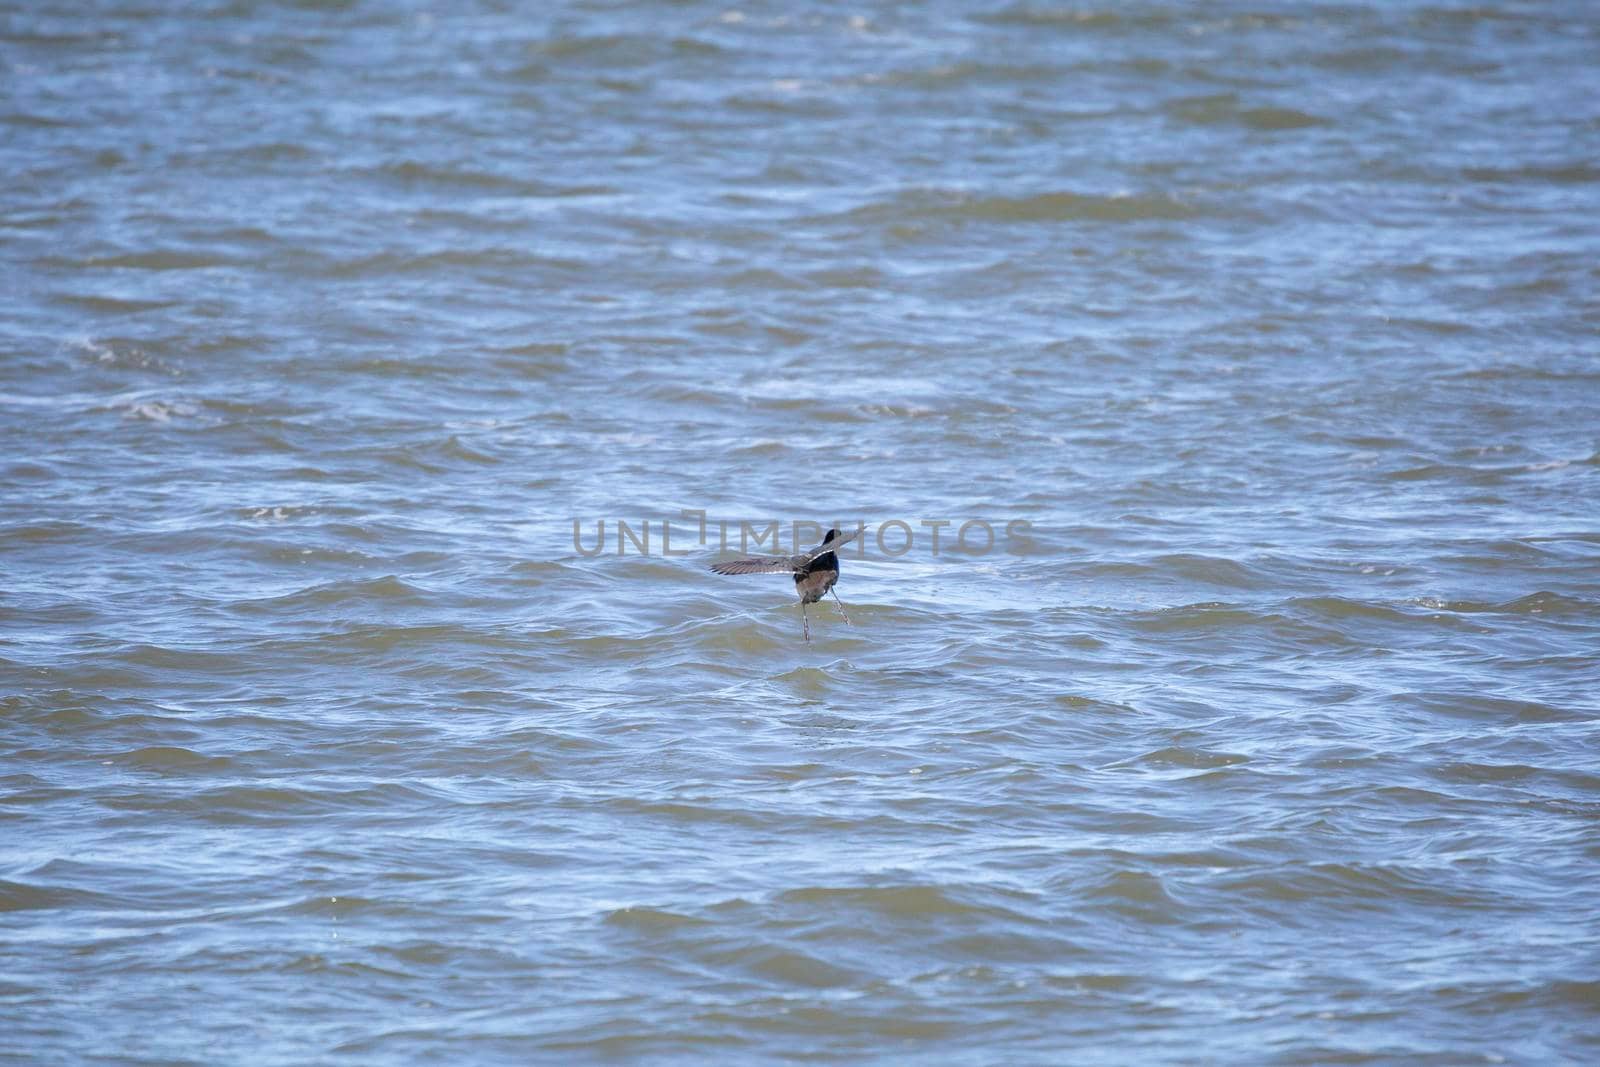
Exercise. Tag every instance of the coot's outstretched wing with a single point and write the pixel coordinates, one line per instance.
(783, 564)
(832, 544)
(760, 565)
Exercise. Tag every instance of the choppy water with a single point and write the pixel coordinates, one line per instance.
(1274, 742)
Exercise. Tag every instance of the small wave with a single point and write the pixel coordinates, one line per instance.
(272, 152)
(114, 305)
(389, 591)
(626, 48)
(916, 205)
(1490, 773)
(1067, 207)
(25, 896)
(424, 262)
(692, 815)
(175, 758)
(1558, 995)
(1477, 706)
(234, 804)
(965, 72)
(30, 120)
(1341, 609)
(340, 905)
(1190, 758)
(1225, 108)
(467, 177)
(49, 531)
(1185, 567)
(784, 100)
(652, 920)
(1540, 603)
(1575, 173)
(534, 360)
(1139, 894)
(1210, 570)
(1346, 886)
(118, 352)
(761, 278)
(1280, 118)
(1050, 16)
(1365, 58)
(156, 259)
(277, 512)
(791, 967)
(1429, 471)
(931, 902)
(160, 411)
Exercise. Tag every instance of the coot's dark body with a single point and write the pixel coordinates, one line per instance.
(815, 580)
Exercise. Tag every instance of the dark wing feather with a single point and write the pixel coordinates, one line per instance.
(757, 565)
(782, 564)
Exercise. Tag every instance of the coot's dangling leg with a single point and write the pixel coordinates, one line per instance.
(839, 602)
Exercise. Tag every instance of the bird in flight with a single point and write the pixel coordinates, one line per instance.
(815, 571)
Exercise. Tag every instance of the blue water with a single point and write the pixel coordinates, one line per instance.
(1267, 736)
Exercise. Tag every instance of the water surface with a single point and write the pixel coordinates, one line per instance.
(1274, 741)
